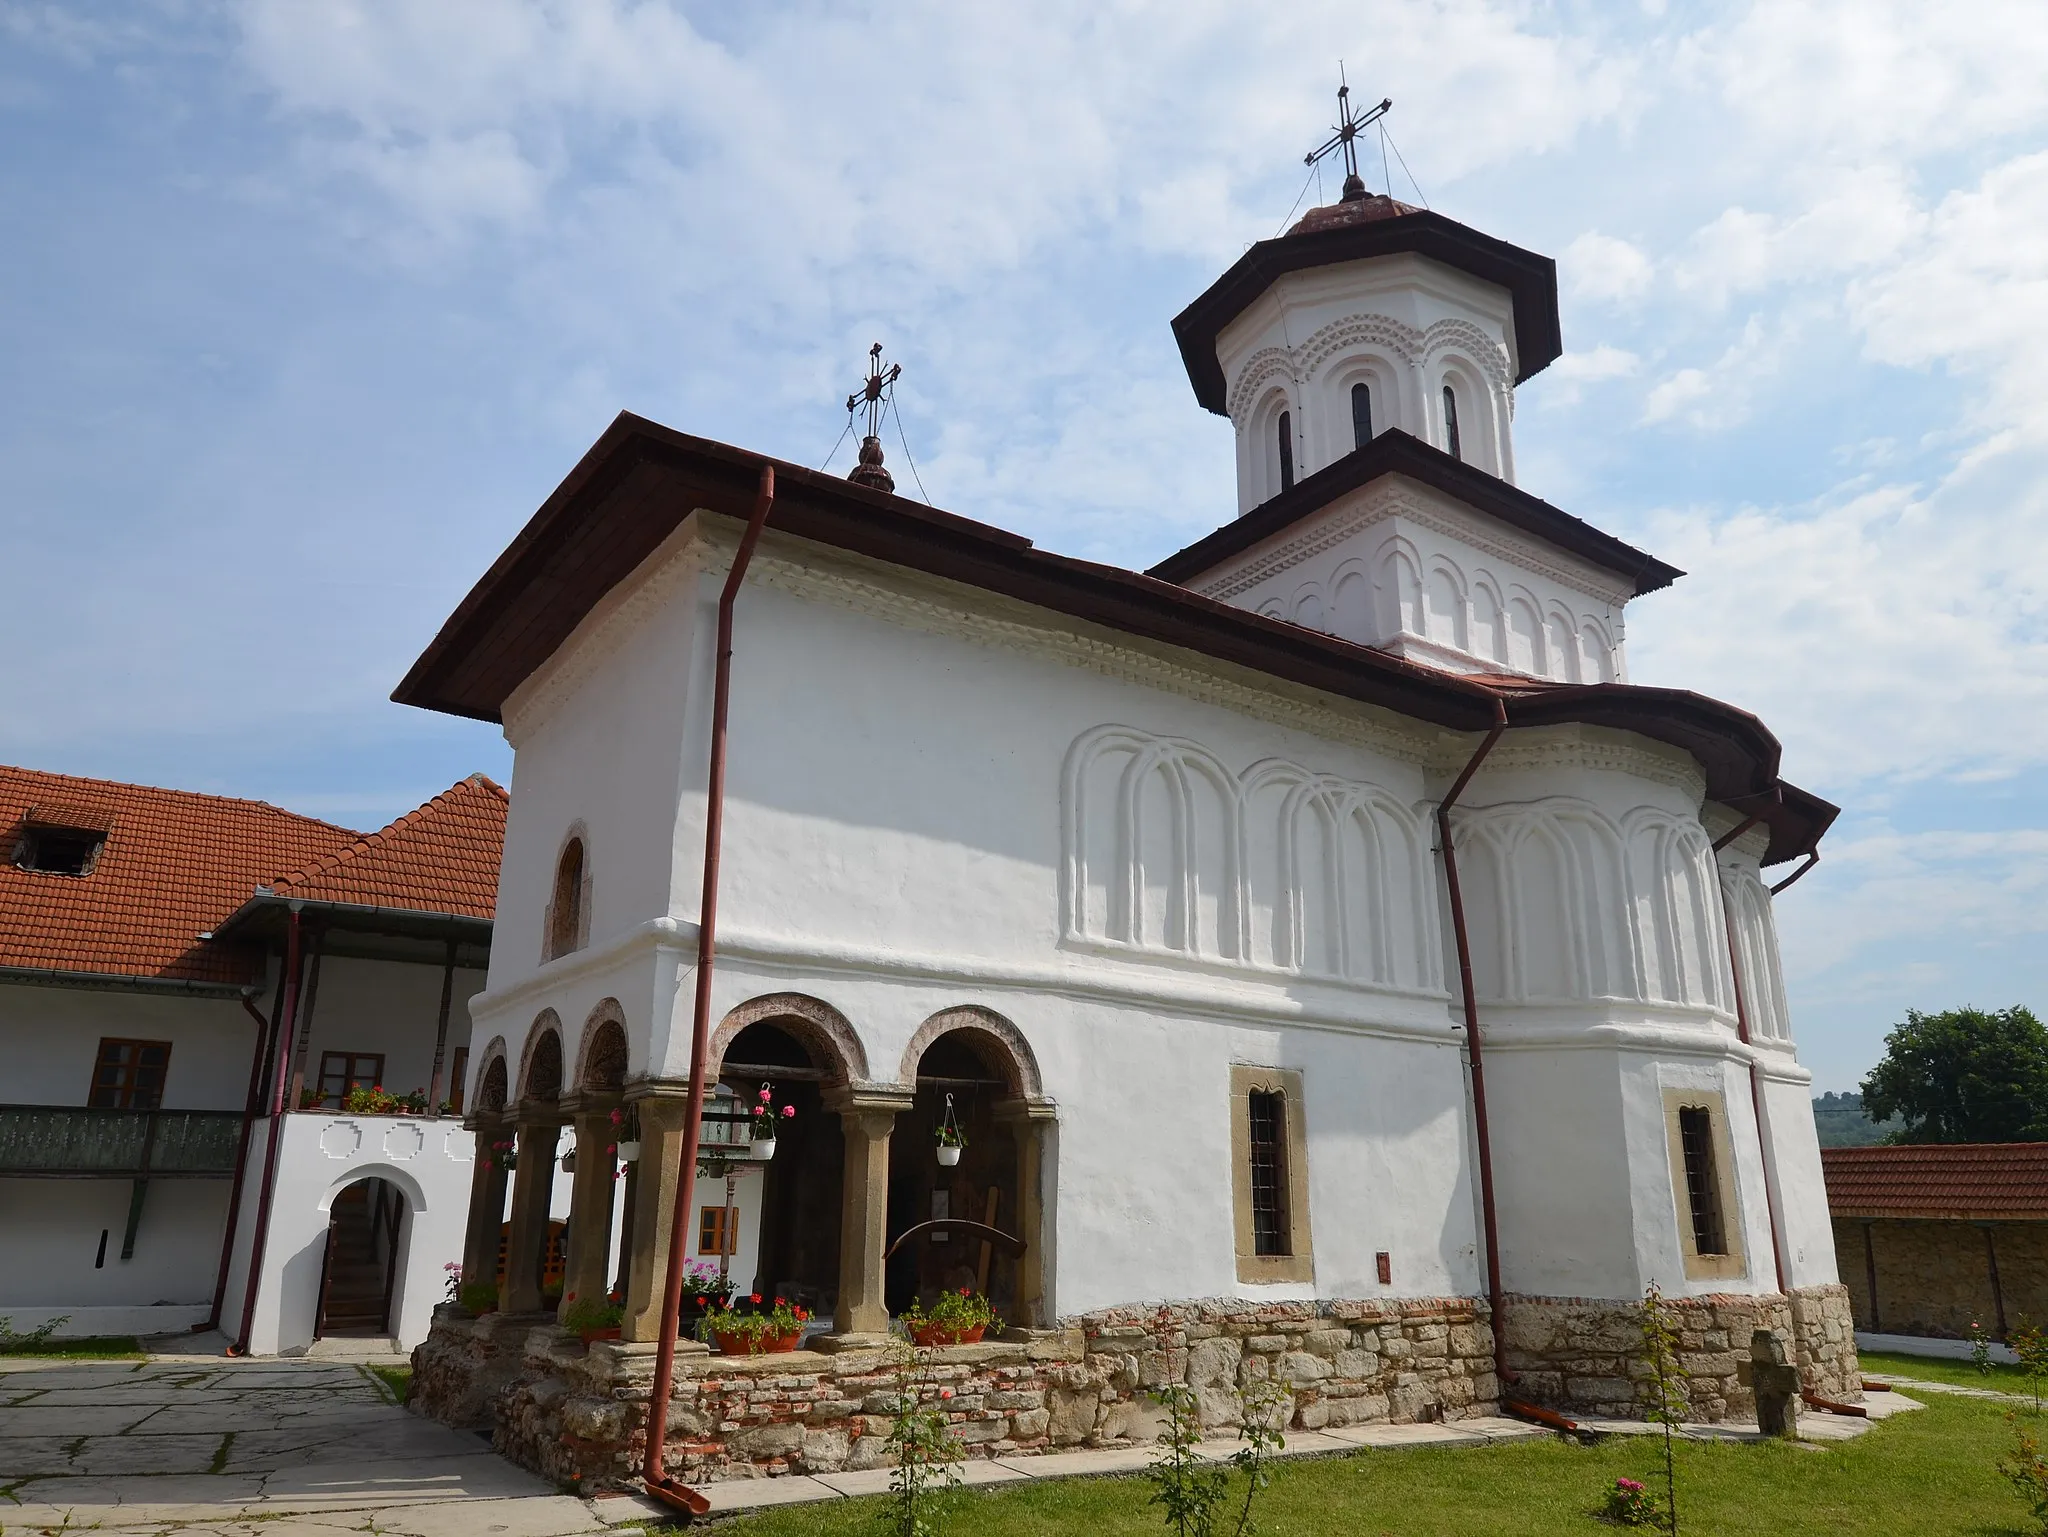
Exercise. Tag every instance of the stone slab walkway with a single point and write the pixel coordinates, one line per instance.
(253, 1449)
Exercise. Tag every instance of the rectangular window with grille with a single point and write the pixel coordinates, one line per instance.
(1266, 1119)
(129, 1075)
(1269, 1174)
(1702, 1183)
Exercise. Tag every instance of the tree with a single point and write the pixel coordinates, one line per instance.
(1963, 1076)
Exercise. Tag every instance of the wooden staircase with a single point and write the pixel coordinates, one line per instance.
(362, 1242)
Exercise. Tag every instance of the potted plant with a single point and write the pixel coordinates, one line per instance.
(703, 1289)
(477, 1297)
(593, 1320)
(761, 1129)
(757, 1333)
(954, 1318)
(626, 1131)
(951, 1140)
(310, 1098)
(503, 1155)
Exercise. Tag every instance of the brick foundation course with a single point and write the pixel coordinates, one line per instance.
(1584, 1353)
(577, 1414)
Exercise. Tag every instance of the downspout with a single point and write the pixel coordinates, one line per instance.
(1479, 1122)
(249, 1104)
(652, 1472)
(1756, 1089)
(292, 959)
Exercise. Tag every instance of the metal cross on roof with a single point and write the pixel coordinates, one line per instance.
(873, 395)
(1346, 137)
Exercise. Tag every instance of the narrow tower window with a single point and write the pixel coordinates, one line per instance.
(565, 913)
(1702, 1182)
(1268, 1145)
(1286, 450)
(1451, 422)
(1361, 415)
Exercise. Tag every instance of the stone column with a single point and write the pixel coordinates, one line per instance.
(486, 1203)
(533, 1183)
(1029, 1120)
(590, 1201)
(664, 1112)
(861, 1318)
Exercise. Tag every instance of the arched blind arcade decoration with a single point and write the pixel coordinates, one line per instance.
(1361, 415)
(565, 912)
(1286, 450)
(1451, 422)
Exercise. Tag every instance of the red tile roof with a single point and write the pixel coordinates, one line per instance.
(442, 858)
(2005, 1181)
(173, 866)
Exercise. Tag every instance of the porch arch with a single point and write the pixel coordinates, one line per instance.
(540, 1061)
(602, 1057)
(824, 1032)
(1001, 1044)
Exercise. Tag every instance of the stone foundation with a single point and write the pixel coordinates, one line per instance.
(577, 1414)
(1584, 1353)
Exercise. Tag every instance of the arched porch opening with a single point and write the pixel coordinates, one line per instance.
(367, 1230)
(962, 1070)
(800, 1191)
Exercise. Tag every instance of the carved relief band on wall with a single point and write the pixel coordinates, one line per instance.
(1170, 852)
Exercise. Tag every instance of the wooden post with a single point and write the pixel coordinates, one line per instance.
(441, 1032)
(305, 1039)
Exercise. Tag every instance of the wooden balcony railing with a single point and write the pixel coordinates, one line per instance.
(66, 1142)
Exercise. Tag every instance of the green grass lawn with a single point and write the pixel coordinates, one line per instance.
(397, 1381)
(2000, 1379)
(1927, 1472)
(88, 1347)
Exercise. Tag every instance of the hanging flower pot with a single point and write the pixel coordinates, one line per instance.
(568, 1162)
(951, 1140)
(761, 1149)
(761, 1128)
(629, 1150)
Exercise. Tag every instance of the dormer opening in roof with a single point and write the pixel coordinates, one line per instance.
(1369, 311)
(53, 840)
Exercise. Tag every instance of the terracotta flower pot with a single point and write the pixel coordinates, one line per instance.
(614, 1332)
(940, 1334)
(757, 1345)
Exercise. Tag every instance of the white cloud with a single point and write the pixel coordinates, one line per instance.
(1602, 267)
(1720, 395)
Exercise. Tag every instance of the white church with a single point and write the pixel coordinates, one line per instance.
(1145, 874)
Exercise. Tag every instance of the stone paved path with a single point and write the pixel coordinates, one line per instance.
(255, 1449)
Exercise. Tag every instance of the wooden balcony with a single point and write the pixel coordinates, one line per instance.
(67, 1142)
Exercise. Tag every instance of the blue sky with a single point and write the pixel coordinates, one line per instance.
(305, 306)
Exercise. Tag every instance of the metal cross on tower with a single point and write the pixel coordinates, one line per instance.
(873, 396)
(1346, 137)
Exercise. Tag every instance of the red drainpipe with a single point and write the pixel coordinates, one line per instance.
(292, 957)
(249, 1106)
(1472, 1045)
(1756, 1092)
(652, 1473)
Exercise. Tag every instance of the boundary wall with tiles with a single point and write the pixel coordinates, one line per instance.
(577, 1413)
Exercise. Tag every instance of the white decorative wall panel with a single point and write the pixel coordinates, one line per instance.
(1756, 942)
(1279, 868)
(1567, 904)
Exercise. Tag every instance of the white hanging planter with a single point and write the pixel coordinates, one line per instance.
(629, 1151)
(761, 1149)
(948, 1156)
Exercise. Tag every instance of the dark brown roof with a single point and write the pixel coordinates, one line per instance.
(1395, 452)
(1531, 281)
(641, 480)
(1981, 1181)
(173, 866)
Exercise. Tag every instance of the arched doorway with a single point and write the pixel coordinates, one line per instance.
(966, 1065)
(365, 1236)
(797, 1253)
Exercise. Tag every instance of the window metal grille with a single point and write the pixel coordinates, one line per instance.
(1268, 1146)
(1702, 1187)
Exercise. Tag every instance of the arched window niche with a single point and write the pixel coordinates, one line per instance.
(567, 925)
(1361, 414)
(1453, 439)
(1285, 448)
